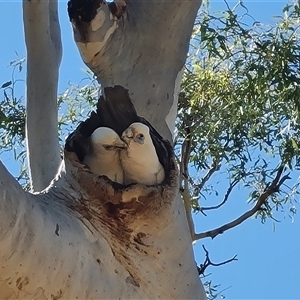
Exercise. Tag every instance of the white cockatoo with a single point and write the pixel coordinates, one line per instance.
(104, 157)
(140, 161)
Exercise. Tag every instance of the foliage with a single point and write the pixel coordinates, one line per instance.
(12, 111)
(238, 111)
(12, 120)
(239, 103)
(239, 99)
(74, 105)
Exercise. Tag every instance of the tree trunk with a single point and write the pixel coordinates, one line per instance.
(44, 51)
(84, 237)
(143, 50)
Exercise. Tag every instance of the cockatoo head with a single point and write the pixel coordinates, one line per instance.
(104, 138)
(137, 133)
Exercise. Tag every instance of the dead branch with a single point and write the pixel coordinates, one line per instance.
(270, 189)
(208, 262)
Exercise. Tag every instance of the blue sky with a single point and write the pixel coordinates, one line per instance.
(268, 265)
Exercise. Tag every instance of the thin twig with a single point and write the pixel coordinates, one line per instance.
(269, 190)
(208, 262)
(229, 190)
(215, 166)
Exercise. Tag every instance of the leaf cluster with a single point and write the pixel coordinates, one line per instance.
(239, 101)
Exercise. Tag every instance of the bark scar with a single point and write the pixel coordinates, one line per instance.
(57, 229)
(131, 280)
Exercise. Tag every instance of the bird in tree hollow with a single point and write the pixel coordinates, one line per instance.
(104, 158)
(139, 160)
(142, 157)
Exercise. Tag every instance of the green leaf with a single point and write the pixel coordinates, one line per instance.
(6, 84)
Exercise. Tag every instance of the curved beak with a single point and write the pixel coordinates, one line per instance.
(127, 136)
(117, 145)
(120, 145)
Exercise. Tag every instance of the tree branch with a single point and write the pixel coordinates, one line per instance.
(215, 166)
(187, 205)
(208, 262)
(184, 174)
(228, 192)
(130, 52)
(11, 197)
(269, 190)
(44, 51)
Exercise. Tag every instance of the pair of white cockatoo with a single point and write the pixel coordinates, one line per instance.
(129, 159)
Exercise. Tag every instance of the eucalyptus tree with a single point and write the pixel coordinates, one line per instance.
(237, 114)
(80, 235)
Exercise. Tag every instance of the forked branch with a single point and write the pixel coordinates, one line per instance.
(208, 262)
(228, 192)
(269, 190)
(44, 52)
(215, 166)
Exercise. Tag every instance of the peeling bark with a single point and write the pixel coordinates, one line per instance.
(44, 51)
(144, 51)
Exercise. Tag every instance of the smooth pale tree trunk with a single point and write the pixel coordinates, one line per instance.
(67, 243)
(44, 52)
(81, 238)
(144, 51)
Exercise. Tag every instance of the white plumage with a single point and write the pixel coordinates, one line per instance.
(139, 160)
(104, 158)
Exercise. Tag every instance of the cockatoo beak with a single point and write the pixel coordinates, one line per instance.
(120, 145)
(127, 136)
(129, 133)
(117, 145)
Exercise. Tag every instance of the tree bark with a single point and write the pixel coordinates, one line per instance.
(143, 50)
(44, 51)
(83, 239)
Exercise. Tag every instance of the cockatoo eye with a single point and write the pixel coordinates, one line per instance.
(140, 138)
